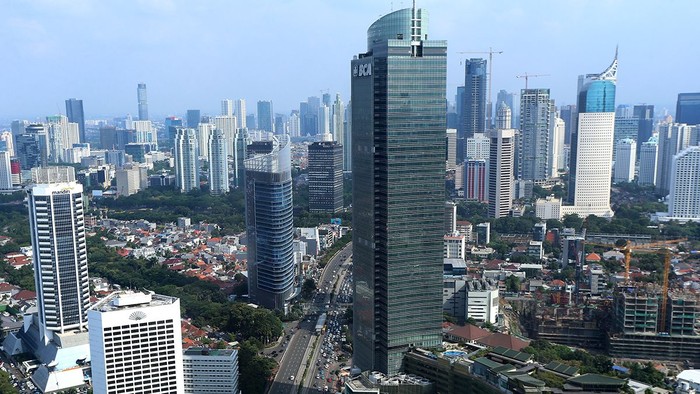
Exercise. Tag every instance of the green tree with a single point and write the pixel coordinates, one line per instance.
(6, 384)
(308, 288)
(513, 284)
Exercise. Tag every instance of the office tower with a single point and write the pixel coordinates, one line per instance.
(347, 139)
(266, 116)
(58, 241)
(145, 133)
(171, 123)
(128, 181)
(451, 154)
(645, 114)
(5, 170)
(280, 125)
(7, 142)
(623, 111)
(136, 344)
(251, 122)
(269, 225)
(229, 125)
(506, 98)
(533, 151)
(240, 112)
(647, 162)
(556, 145)
(626, 158)
(143, 101)
(474, 104)
(294, 125)
(398, 167)
(325, 177)
(590, 168)
(450, 217)
(61, 136)
(17, 127)
(227, 107)
(211, 371)
(478, 147)
(684, 197)
(324, 120)
(40, 133)
(28, 151)
(568, 113)
(186, 159)
(338, 128)
(504, 116)
(326, 99)
(673, 138)
(218, 162)
(239, 157)
(193, 117)
(501, 172)
(74, 111)
(688, 108)
(204, 132)
(475, 180)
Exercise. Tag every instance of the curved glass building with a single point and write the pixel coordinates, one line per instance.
(269, 226)
(398, 167)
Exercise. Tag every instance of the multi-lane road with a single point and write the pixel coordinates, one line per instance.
(298, 341)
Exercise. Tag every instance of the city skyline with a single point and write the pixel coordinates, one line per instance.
(94, 59)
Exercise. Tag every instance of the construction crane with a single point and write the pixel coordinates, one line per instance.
(652, 247)
(528, 76)
(664, 291)
(490, 52)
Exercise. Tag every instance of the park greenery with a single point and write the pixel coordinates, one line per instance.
(6, 384)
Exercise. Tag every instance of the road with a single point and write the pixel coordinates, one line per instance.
(298, 349)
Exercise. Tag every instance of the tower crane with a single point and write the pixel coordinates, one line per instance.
(528, 76)
(490, 52)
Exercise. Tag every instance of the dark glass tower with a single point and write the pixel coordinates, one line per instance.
(688, 108)
(193, 118)
(266, 120)
(269, 225)
(398, 167)
(74, 112)
(474, 104)
(325, 177)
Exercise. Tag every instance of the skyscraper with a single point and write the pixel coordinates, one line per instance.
(398, 165)
(673, 138)
(347, 139)
(193, 118)
(501, 163)
(5, 170)
(218, 162)
(143, 101)
(534, 150)
(474, 104)
(645, 114)
(590, 168)
(625, 160)
(227, 107)
(568, 114)
(266, 116)
(136, 344)
(684, 197)
(647, 162)
(240, 112)
(212, 371)
(74, 111)
(556, 144)
(60, 254)
(338, 120)
(475, 180)
(145, 133)
(325, 177)
(451, 156)
(270, 226)
(688, 108)
(186, 159)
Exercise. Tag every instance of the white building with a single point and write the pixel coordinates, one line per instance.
(128, 181)
(450, 217)
(294, 125)
(684, 198)
(324, 120)
(204, 131)
(548, 208)
(596, 278)
(210, 371)
(186, 160)
(455, 246)
(8, 140)
(500, 172)
(218, 163)
(647, 162)
(557, 128)
(673, 138)
(625, 159)
(451, 149)
(478, 147)
(136, 344)
(229, 125)
(240, 112)
(338, 124)
(145, 133)
(226, 107)
(5, 171)
(463, 298)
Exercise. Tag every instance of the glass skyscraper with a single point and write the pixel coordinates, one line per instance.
(398, 167)
(533, 151)
(74, 112)
(266, 116)
(688, 108)
(474, 99)
(269, 225)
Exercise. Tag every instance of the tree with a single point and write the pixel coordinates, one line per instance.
(513, 284)
(308, 288)
(573, 221)
(255, 369)
(6, 384)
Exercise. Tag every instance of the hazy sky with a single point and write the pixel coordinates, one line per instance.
(191, 54)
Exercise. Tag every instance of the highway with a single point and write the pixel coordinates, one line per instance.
(298, 349)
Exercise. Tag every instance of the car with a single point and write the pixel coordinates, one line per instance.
(291, 377)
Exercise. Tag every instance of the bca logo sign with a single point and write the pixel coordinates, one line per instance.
(362, 70)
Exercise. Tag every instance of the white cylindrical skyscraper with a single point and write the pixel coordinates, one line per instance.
(218, 162)
(186, 160)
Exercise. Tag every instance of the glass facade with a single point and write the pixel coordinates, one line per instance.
(474, 105)
(398, 164)
(597, 96)
(688, 108)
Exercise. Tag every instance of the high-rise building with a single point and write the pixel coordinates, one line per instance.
(625, 127)
(556, 146)
(18, 127)
(74, 111)
(239, 156)
(194, 117)
(626, 158)
(324, 121)
(590, 167)
(501, 172)
(136, 344)
(128, 181)
(269, 225)
(673, 138)
(347, 140)
(645, 114)
(338, 127)
(451, 154)
(325, 177)
(186, 159)
(398, 168)
(240, 113)
(28, 151)
(251, 122)
(504, 116)
(647, 162)
(143, 101)
(684, 197)
(211, 371)
(7, 142)
(450, 217)
(145, 132)
(508, 99)
(266, 116)
(229, 125)
(57, 226)
(688, 108)
(171, 122)
(534, 150)
(474, 101)
(227, 107)
(5, 170)
(204, 132)
(218, 162)
(478, 147)
(475, 180)
(61, 135)
(568, 113)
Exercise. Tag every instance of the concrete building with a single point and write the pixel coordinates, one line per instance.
(478, 147)
(535, 250)
(500, 181)
(556, 147)
(451, 159)
(464, 298)
(475, 180)
(186, 159)
(204, 132)
(145, 132)
(596, 278)
(548, 208)
(450, 217)
(647, 162)
(218, 162)
(210, 371)
(142, 98)
(636, 310)
(325, 166)
(534, 148)
(455, 246)
(673, 138)
(338, 123)
(136, 344)
(226, 108)
(483, 233)
(625, 160)
(229, 125)
(240, 112)
(5, 171)
(128, 181)
(684, 198)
